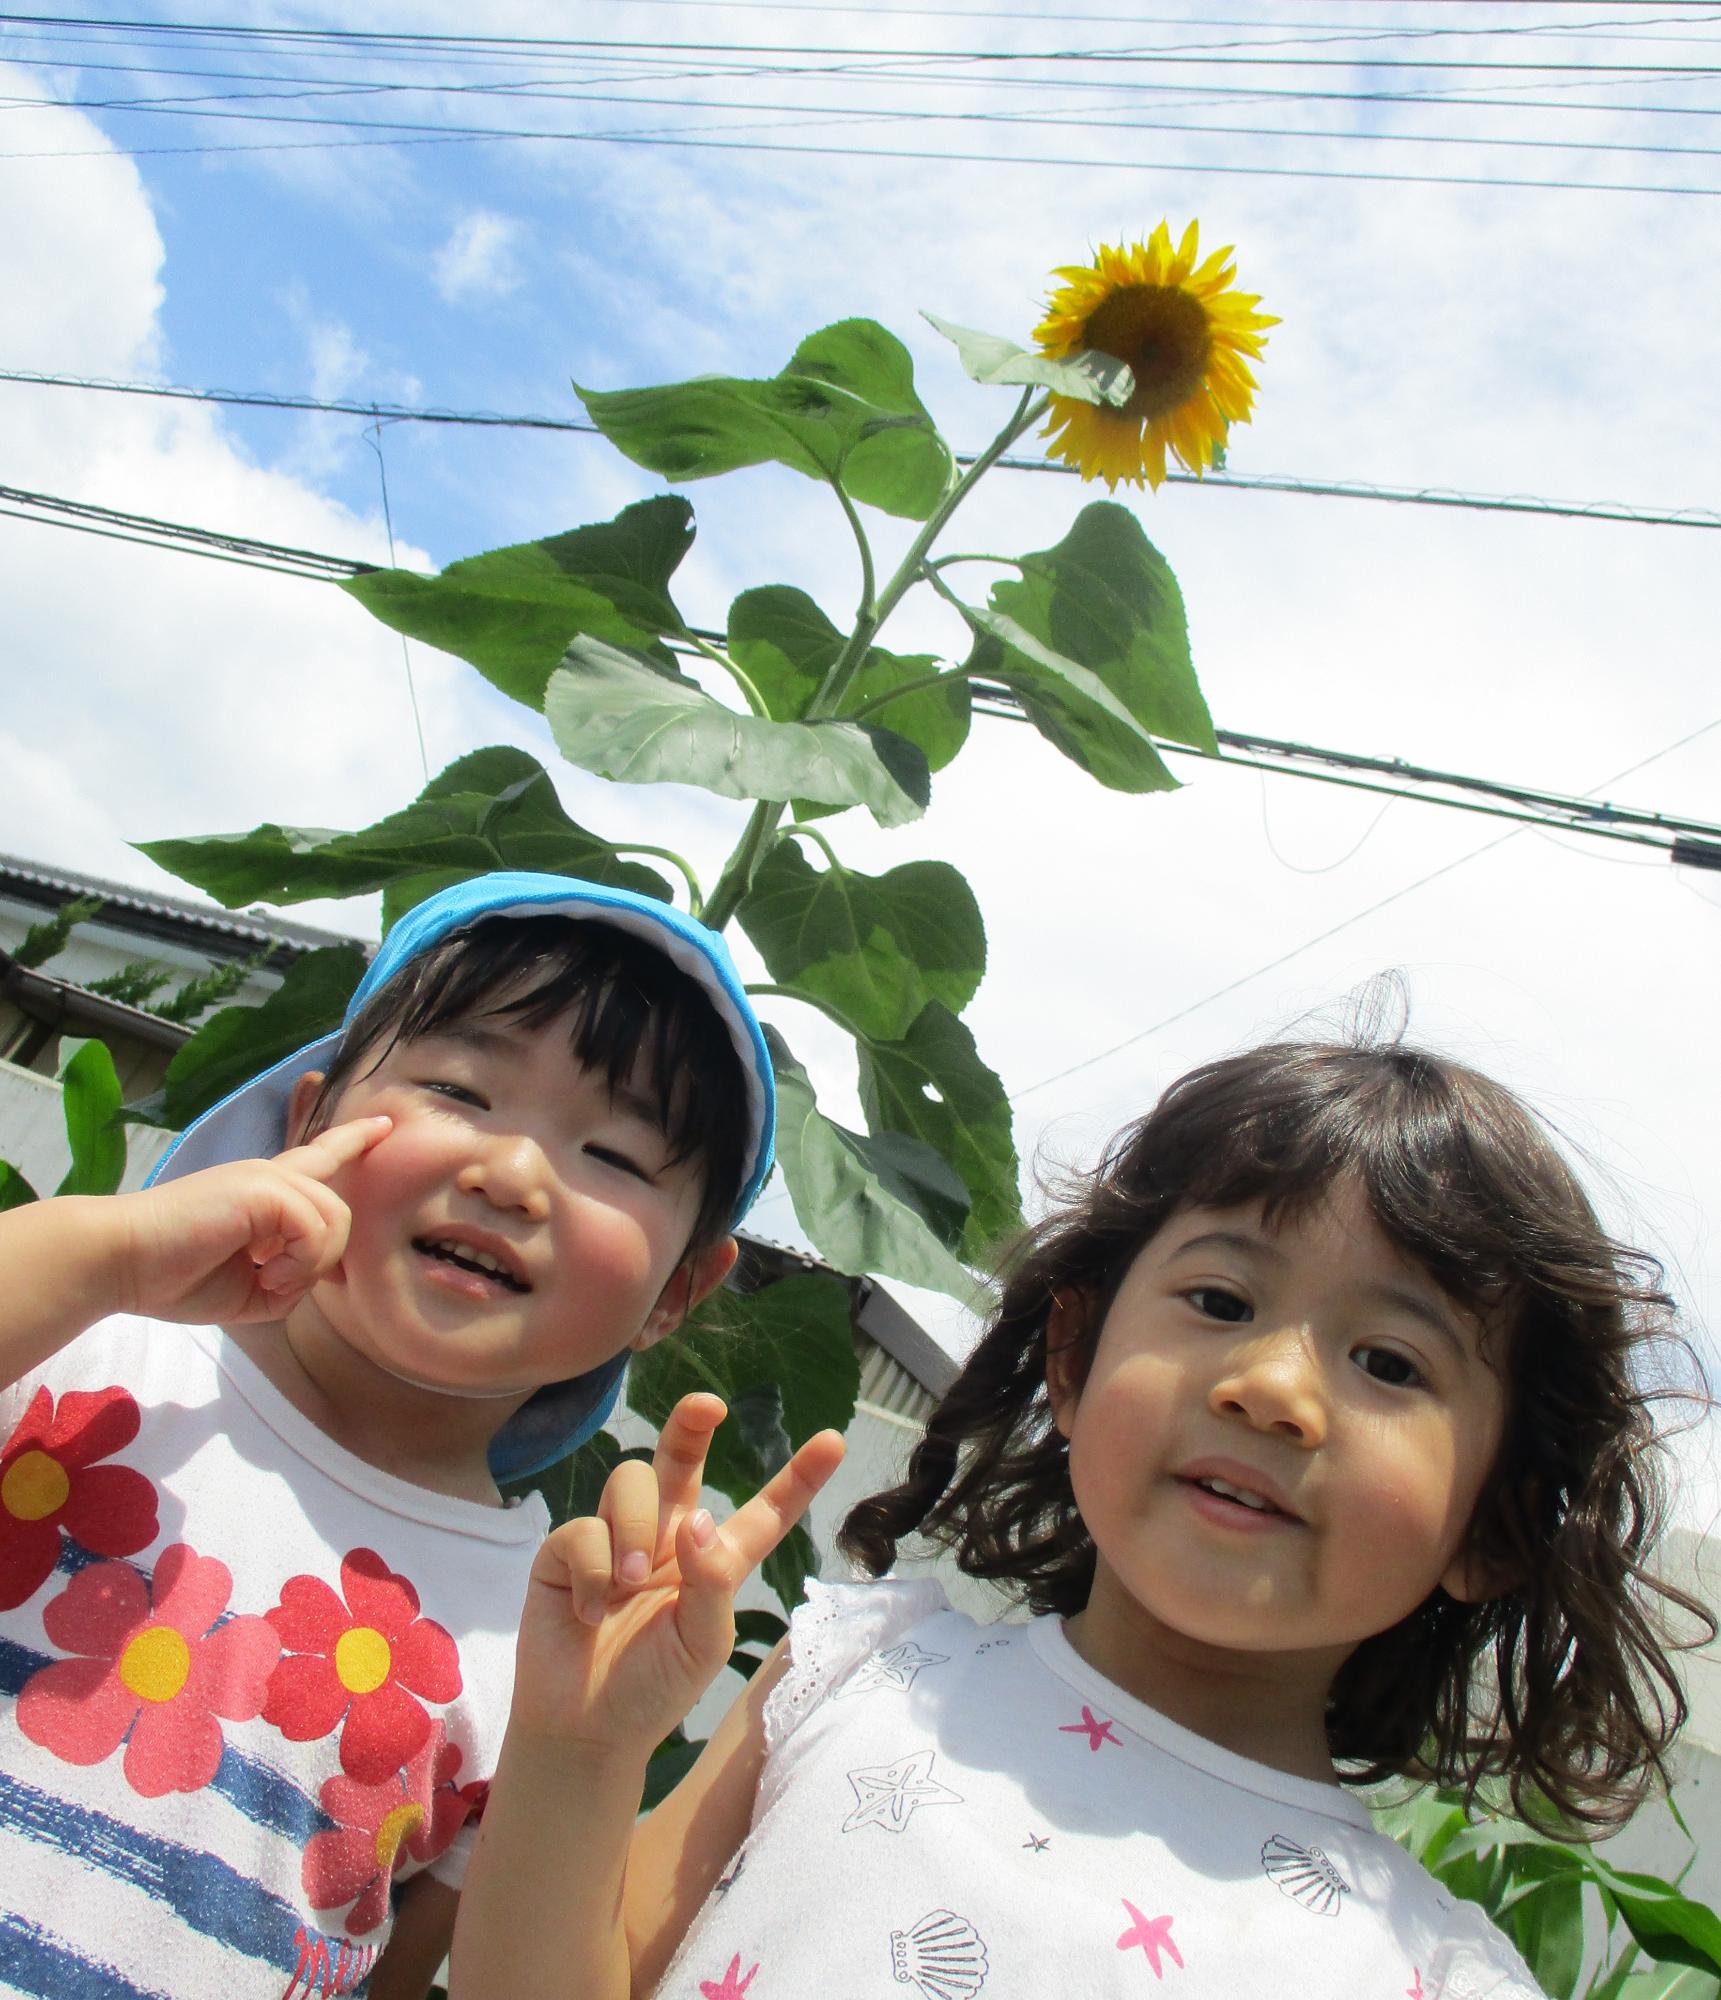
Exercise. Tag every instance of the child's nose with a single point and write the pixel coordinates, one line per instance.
(509, 1170)
(1275, 1385)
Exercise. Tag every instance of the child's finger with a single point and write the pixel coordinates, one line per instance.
(577, 1558)
(335, 1147)
(679, 1460)
(629, 1508)
(714, 1561)
(309, 1237)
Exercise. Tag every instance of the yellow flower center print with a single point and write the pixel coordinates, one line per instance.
(1187, 337)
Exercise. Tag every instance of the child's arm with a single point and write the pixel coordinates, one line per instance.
(239, 1242)
(562, 1899)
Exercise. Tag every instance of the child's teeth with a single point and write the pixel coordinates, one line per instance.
(1227, 1491)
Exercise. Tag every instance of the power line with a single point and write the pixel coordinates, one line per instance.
(1578, 510)
(408, 135)
(1333, 930)
(1085, 120)
(1696, 841)
(586, 45)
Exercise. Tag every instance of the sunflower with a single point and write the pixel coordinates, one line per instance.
(1184, 333)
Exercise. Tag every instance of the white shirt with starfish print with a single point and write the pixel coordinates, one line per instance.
(951, 1810)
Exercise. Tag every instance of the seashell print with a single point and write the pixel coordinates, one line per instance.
(1304, 1874)
(942, 1955)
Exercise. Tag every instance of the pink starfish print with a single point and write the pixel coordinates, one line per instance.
(1414, 1992)
(1097, 1732)
(1153, 1935)
(731, 1986)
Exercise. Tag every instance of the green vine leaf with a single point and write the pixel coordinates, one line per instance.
(844, 410)
(1094, 642)
(513, 611)
(989, 358)
(884, 1206)
(786, 645)
(495, 808)
(618, 714)
(933, 1084)
(875, 948)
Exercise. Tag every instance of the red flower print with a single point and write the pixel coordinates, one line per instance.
(155, 1670)
(359, 1660)
(49, 1480)
(415, 1813)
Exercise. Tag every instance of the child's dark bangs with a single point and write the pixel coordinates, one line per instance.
(1445, 1170)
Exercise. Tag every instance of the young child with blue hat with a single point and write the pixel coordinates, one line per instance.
(258, 1588)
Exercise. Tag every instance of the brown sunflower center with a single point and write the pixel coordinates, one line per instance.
(1164, 335)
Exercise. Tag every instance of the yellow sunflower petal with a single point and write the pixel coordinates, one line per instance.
(1184, 330)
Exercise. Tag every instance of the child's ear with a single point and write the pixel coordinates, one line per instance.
(1472, 1579)
(299, 1105)
(695, 1278)
(1066, 1325)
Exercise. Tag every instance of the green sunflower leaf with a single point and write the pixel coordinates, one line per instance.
(495, 808)
(1093, 641)
(932, 1084)
(241, 1042)
(786, 645)
(512, 612)
(618, 714)
(782, 1358)
(844, 410)
(875, 948)
(885, 1206)
(989, 358)
(15, 1190)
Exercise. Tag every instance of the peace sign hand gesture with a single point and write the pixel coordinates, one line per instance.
(630, 1612)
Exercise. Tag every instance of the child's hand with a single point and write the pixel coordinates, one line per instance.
(630, 1613)
(239, 1242)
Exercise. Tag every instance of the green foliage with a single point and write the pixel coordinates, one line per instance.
(95, 1131)
(804, 717)
(15, 1190)
(1581, 1924)
(242, 1042)
(870, 949)
(513, 612)
(46, 940)
(135, 984)
(844, 410)
(209, 989)
(617, 714)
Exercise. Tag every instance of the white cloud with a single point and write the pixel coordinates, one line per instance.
(479, 259)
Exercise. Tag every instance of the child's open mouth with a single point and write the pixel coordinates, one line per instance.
(467, 1257)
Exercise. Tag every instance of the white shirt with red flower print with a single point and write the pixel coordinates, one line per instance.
(248, 1683)
(951, 1810)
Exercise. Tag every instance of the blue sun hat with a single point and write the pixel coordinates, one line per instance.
(251, 1122)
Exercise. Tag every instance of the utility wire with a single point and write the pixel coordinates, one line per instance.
(1695, 841)
(1333, 930)
(1058, 119)
(589, 45)
(405, 136)
(1578, 510)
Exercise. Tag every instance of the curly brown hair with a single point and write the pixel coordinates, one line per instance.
(1562, 1688)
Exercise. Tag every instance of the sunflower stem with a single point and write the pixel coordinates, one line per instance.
(912, 568)
(917, 686)
(718, 657)
(737, 877)
(669, 854)
(804, 832)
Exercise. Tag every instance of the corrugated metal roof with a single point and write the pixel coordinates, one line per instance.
(153, 914)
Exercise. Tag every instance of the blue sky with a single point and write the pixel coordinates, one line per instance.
(1487, 338)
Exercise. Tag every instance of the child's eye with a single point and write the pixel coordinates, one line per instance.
(459, 1092)
(1386, 1365)
(611, 1158)
(1214, 1302)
